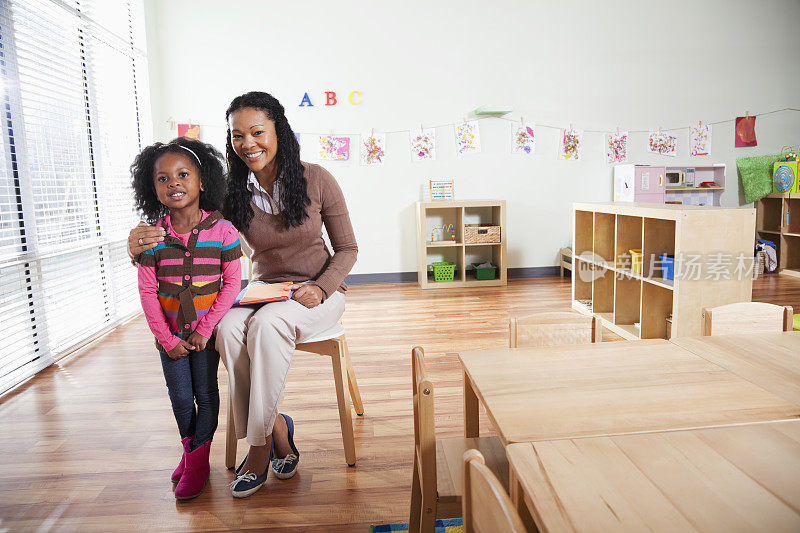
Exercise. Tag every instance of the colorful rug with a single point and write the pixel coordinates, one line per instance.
(450, 525)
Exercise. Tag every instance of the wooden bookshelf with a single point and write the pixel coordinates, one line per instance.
(778, 220)
(637, 304)
(460, 213)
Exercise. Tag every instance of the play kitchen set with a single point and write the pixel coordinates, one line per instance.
(690, 185)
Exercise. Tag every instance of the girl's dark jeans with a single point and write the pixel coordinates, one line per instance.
(193, 379)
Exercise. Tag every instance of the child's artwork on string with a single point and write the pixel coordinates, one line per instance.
(700, 140)
(571, 144)
(468, 138)
(373, 149)
(523, 138)
(745, 132)
(190, 131)
(423, 144)
(661, 142)
(333, 148)
(617, 147)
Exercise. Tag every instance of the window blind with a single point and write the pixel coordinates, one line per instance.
(75, 104)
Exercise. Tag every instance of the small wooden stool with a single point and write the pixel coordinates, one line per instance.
(333, 344)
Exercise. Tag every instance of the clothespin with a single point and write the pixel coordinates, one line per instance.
(747, 113)
(570, 126)
(617, 130)
(699, 123)
(171, 122)
(522, 120)
(420, 126)
(372, 132)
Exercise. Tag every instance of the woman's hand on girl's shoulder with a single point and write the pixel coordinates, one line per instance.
(308, 295)
(144, 237)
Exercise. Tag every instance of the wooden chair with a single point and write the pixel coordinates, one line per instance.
(485, 503)
(333, 344)
(746, 317)
(565, 260)
(549, 329)
(436, 484)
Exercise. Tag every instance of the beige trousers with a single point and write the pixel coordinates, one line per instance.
(257, 346)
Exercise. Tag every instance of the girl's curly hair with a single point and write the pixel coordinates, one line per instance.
(293, 191)
(212, 176)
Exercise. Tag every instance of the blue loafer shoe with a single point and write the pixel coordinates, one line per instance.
(239, 468)
(247, 483)
(286, 467)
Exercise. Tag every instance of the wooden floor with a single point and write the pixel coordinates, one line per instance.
(89, 444)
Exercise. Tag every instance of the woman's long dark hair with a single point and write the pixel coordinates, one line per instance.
(293, 194)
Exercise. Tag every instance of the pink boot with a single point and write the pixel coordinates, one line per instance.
(176, 475)
(195, 473)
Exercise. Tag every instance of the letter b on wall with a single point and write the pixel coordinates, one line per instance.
(330, 98)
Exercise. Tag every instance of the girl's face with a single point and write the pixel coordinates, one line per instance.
(254, 139)
(176, 181)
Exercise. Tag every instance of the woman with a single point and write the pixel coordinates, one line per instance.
(279, 205)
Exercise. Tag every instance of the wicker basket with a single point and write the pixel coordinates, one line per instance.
(477, 234)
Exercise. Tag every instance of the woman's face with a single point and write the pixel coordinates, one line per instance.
(254, 139)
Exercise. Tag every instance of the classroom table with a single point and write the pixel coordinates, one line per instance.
(770, 360)
(609, 388)
(733, 478)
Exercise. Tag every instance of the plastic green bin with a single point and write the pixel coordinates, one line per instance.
(443, 270)
(484, 272)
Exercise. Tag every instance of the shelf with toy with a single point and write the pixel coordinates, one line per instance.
(629, 237)
(442, 236)
(792, 217)
(778, 218)
(648, 240)
(443, 244)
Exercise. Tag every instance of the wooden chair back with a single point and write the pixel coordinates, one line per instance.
(550, 329)
(424, 424)
(746, 317)
(485, 505)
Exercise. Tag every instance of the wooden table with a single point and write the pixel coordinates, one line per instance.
(610, 388)
(770, 360)
(735, 478)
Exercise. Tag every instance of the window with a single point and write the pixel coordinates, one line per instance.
(75, 111)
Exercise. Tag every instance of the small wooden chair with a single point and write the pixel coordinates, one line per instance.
(485, 503)
(565, 260)
(436, 484)
(550, 329)
(746, 317)
(333, 344)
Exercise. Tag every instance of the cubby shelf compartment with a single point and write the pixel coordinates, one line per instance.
(623, 299)
(459, 213)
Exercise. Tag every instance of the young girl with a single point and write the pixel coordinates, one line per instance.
(186, 285)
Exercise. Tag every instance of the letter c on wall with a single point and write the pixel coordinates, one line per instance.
(351, 97)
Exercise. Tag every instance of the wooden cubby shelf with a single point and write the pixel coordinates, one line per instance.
(637, 305)
(778, 220)
(460, 213)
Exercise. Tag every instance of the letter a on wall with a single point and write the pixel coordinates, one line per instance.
(306, 100)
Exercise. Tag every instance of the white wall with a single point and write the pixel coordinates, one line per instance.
(598, 65)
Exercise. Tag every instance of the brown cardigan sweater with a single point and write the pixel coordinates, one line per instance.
(299, 254)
